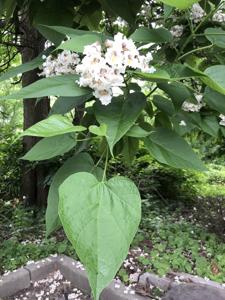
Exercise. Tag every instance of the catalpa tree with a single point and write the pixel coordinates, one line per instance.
(149, 74)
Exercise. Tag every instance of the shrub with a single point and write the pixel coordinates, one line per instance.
(10, 165)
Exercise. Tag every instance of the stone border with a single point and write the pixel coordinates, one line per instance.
(165, 283)
(23, 277)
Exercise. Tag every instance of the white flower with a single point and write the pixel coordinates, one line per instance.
(197, 13)
(222, 121)
(64, 63)
(103, 69)
(177, 31)
(189, 106)
(219, 16)
(182, 123)
(121, 23)
(105, 96)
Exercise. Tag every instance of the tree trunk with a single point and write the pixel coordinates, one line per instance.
(33, 190)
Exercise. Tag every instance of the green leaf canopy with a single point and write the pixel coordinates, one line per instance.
(100, 219)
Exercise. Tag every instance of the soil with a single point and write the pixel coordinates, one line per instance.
(53, 287)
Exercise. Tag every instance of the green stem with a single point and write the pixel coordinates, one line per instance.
(151, 92)
(197, 27)
(98, 162)
(88, 139)
(106, 164)
(195, 50)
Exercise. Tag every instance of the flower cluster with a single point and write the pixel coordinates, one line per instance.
(222, 121)
(177, 31)
(191, 107)
(197, 13)
(64, 63)
(219, 16)
(103, 67)
(121, 23)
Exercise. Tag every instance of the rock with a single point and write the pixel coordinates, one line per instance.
(194, 292)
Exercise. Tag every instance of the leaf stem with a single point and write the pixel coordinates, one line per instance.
(106, 164)
(195, 50)
(193, 31)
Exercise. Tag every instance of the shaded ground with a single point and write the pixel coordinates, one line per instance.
(166, 241)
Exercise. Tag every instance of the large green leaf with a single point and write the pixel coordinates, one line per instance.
(100, 219)
(147, 35)
(215, 100)
(98, 130)
(79, 163)
(164, 104)
(129, 150)
(181, 4)
(158, 76)
(126, 9)
(169, 148)
(209, 124)
(215, 79)
(50, 34)
(177, 92)
(14, 71)
(53, 125)
(50, 147)
(78, 39)
(64, 85)
(52, 12)
(171, 72)
(77, 44)
(180, 71)
(216, 36)
(137, 132)
(119, 115)
(65, 104)
(212, 77)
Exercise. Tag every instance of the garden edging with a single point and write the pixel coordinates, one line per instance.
(22, 278)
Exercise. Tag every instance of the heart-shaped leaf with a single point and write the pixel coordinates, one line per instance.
(81, 162)
(100, 219)
(98, 130)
